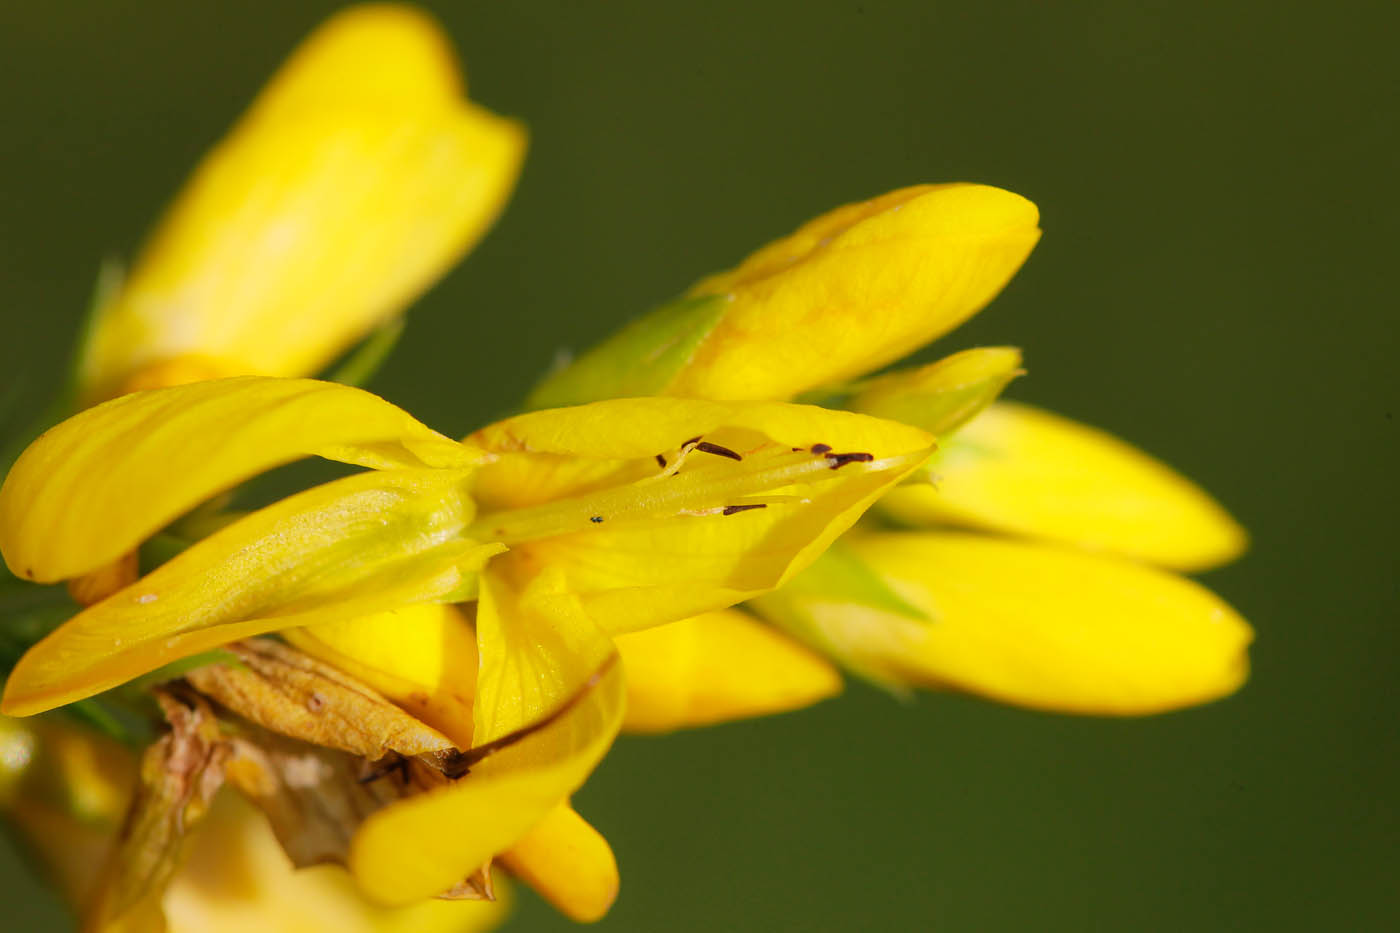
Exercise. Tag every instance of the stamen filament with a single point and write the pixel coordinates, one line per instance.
(700, 491)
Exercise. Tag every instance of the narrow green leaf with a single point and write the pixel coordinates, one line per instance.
(836, 579)
(839, 576)
(96, 714)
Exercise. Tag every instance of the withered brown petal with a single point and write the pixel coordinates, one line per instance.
(291, 693)
(180, 773)
(315, 798)
(475, 887)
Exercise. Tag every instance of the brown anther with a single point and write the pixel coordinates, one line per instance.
(717, 450)
(454, 764)
(837, 461)
(735, 509)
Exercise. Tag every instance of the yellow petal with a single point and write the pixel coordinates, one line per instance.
(278, 688)
(714, 668)
(1028, 472)
(531, 660)
(610, 433)
(381, 55)
(354, 181)
(356, 546)
(538, 651)
(91, 489)
(857, 288)
(237, 879)
(943, 396)
(749, 493)
(569, 863)
(422, 657)
(1031, 624)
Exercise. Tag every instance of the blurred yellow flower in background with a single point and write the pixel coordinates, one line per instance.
(357, 177)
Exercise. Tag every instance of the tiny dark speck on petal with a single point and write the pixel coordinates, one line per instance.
(820, 448)
(596, 519)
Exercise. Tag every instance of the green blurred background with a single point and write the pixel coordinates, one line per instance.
(1217, 182)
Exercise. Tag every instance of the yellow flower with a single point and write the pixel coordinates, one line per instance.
(355, 179)
(564, 526)
(1028, 622)
(288, 244)
(451, 619)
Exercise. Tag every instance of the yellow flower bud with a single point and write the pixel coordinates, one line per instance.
(1029, 624)
(847, 293)
(355, 179)
(1019, 470)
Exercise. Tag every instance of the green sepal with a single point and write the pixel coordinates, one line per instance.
(943, 396)
(111, 276)
(838, 577)
(642, 359)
